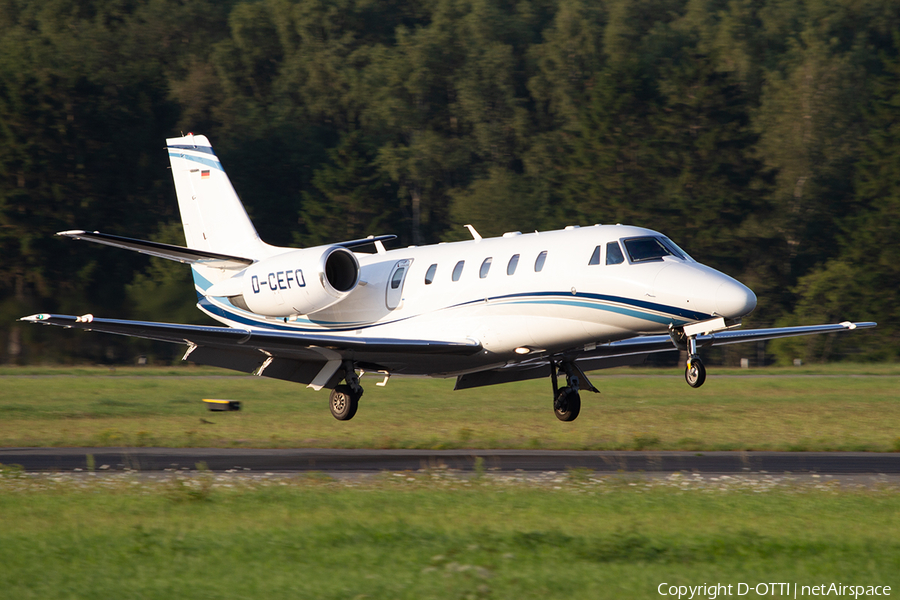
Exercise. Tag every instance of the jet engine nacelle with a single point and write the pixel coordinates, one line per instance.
(296, 282)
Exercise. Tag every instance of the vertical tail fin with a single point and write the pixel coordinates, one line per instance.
(212, 214)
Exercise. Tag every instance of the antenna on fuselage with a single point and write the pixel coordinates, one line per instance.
(475, 235)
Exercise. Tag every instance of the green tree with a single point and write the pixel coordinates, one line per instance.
(82, 84)
(347, 199)
(863, 281)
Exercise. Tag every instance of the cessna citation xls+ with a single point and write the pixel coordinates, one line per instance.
(485, 311)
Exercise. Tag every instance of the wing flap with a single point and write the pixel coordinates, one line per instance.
(254, 361)
(539, 371)
(246, 361)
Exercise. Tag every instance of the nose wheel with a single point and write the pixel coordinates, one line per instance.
(695, 372)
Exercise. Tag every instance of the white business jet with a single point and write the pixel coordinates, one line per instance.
(485, 311)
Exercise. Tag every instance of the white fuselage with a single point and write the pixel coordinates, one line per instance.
(564, 303)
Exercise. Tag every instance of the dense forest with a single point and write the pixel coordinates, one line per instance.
(763, 136)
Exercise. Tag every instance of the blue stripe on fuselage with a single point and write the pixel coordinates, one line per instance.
(613, 309)
(675, 316)
(690, 315)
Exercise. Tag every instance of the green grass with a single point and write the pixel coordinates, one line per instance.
(430, 535)
(816, 408)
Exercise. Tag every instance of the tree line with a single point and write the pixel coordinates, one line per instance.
(762, 136)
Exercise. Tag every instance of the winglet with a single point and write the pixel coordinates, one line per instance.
(35, 318)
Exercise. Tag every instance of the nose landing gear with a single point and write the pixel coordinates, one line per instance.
(694, 371)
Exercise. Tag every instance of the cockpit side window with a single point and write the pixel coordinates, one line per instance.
(673, 247)
(645, 249)
(595, 257)
(614, 254)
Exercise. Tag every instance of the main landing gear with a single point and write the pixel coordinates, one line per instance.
(567, 400)
(344, 399)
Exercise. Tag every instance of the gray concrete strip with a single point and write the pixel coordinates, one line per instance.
(342, 460)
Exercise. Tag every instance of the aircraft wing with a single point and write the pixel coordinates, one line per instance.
(299, 357)
(633, 351)
(660, 343)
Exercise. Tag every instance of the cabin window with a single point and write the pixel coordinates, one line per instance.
(595, 257)
(614, 254)
(485, 267)
(513, 263)
(429, 274)
(539, 262)
(457, 270)
(397, 279)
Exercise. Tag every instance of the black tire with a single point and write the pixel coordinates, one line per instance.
(343, 403)
(567, 404)
(695, 374)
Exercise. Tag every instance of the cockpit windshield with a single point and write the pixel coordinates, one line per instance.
(649, 248)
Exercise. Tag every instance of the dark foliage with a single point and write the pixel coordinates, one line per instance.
(761, 136)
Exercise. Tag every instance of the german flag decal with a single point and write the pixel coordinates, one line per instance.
(204, 174)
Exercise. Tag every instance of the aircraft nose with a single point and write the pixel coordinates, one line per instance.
(734, 299)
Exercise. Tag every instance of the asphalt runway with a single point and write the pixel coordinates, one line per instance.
(373, 461)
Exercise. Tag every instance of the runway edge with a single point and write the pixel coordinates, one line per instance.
(342, 460)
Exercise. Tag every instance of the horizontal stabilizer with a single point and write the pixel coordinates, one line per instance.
(369, 240)
(167, 251)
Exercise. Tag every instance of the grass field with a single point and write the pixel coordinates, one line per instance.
(433, 535)
(848, 407)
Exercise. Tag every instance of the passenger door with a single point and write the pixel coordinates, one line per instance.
(394, 293)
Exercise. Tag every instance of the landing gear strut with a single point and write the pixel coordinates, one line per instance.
(344, 400)
(694, 372)
(567, 400)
